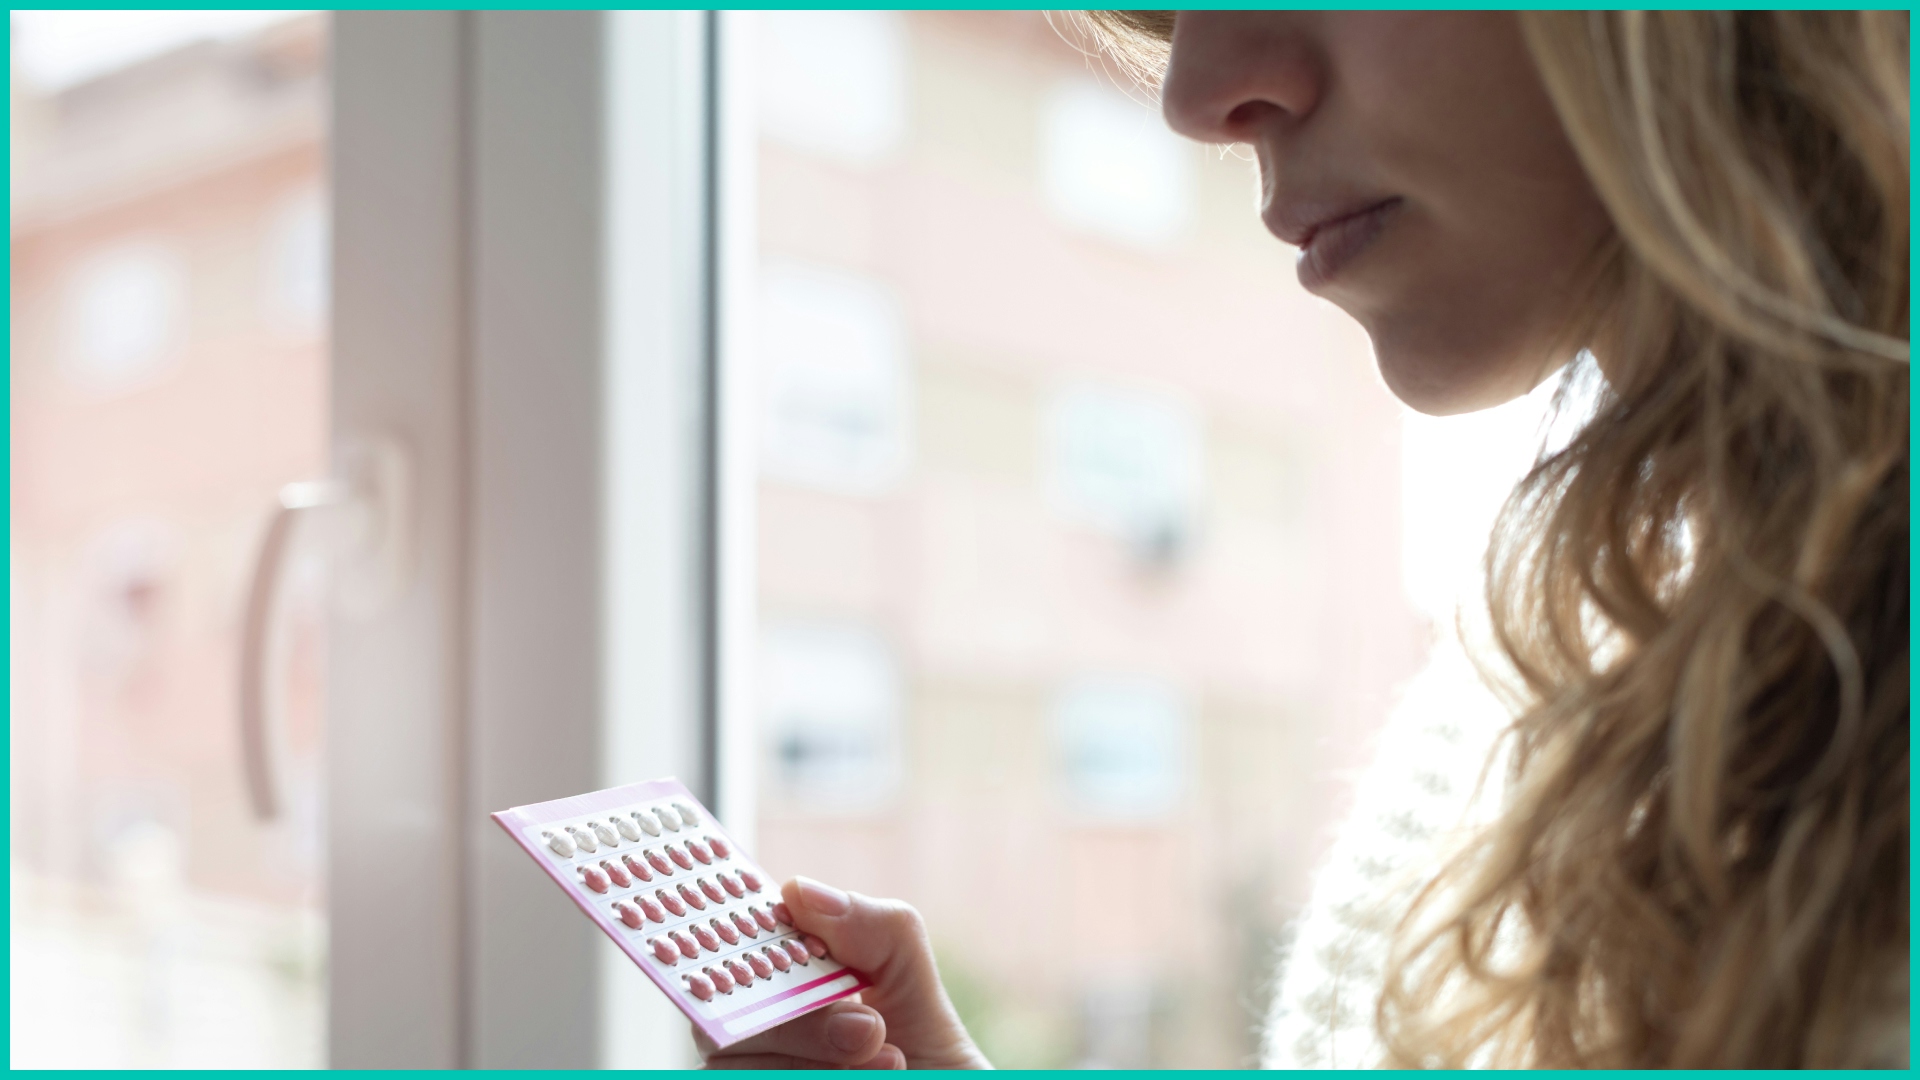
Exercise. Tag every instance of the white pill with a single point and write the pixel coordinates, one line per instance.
(627, 828)
(584, 840)
(561, 846)
(606, 835)
(668, 818)
(686, 813)
(646, 822)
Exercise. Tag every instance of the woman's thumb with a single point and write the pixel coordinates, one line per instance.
(884, 938)
(886, 941)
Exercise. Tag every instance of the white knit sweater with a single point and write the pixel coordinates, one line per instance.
(1429, 759)
(1419, 790)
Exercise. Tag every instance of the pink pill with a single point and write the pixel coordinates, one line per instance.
(705, 937)
(664, 949)
(689, 948)
(778, 957)
(816, 946)
(719, 846)
(764, 916)
(721, 980)
(760, 965)
(692, 898)
(651, 908)
(680, 856)
(752, 880)
(637, 868)
(742, 974)
(700, 986)
(745, 924)
(670, 901)
(618, 875)
(733, 885)
(781, 914)
(798, 951)
(713, 891)
(659, 862)
(594, 877)
(628, 914)
(699, 851)
(726, 931)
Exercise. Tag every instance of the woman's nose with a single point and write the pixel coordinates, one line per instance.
(1233, 73)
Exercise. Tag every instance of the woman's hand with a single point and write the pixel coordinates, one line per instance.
(903, 1020)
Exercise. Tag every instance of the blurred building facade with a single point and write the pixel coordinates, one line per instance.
(1079, 533)
(168, 375)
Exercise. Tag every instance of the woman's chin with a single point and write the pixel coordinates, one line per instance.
(1437, 383)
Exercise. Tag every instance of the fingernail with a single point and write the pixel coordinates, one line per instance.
(850, 1030)
(823, 898)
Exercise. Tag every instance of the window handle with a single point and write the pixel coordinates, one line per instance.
(360, 523)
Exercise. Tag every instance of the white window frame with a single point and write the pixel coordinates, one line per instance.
(538, 283)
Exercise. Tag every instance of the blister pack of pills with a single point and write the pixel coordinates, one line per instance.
(654, 870)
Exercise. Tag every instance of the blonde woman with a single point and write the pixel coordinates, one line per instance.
(1700, 856)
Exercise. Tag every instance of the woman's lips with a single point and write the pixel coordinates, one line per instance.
(1333, 242)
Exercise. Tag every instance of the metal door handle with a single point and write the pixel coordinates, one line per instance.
(369, 507)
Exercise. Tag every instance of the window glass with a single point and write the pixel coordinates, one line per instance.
(168, 375)
(1079, 544)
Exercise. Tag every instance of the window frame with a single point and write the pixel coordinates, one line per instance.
(533, 267)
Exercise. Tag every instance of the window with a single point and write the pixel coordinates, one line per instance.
(155, 922)
(126, 314)
(831, 710)
(833, 82)
(834, 380)
(1110, 165)
(1128, 463)
(1121, 747)
(1064, 549)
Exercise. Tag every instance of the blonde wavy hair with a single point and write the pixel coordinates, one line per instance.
(1701, 859)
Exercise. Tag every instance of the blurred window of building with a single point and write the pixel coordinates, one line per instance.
(1121, 748)
(830, 701)
(1110, 166)
(294, 257)
(834, 380)
(1127, 462)
(125, 314)
(155, 921)
(834, 82)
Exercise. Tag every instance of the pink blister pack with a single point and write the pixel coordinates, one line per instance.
(653, 869)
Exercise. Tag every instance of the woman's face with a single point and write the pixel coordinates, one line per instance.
(1415, 160)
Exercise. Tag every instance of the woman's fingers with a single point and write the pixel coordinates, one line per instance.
(903, 1020)
(840, 1035)
(887, 941)
(889, 1057)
